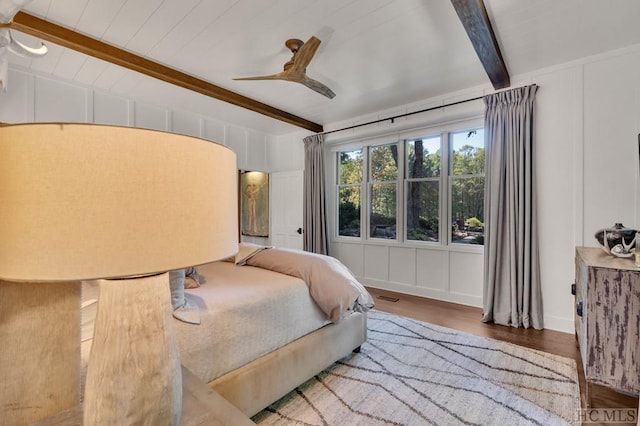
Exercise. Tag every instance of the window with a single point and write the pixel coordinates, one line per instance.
(383, 187)
(467, 187)
(423, 189)
(349, 188)
(428, 190)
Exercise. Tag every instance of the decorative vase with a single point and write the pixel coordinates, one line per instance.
(617, 241)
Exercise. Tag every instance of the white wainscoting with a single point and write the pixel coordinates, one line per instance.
(112, 110)
(453, 276)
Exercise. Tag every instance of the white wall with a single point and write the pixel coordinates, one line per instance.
(586, 126)
(286, 153)
(33, 98)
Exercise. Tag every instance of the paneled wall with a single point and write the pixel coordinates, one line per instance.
(33, 98)
(453, 276)
(587, 125)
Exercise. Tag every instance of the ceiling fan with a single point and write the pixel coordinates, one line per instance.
(8, 9)
(295, 69)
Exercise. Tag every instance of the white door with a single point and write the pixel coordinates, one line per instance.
(286, 209)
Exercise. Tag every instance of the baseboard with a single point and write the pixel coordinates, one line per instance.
(431, 293)
(564, 325)
(551, 322)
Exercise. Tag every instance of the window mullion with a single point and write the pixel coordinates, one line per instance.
(366, 196)
(401, 210)
(445, 186)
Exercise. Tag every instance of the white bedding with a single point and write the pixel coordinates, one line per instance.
(246, 312)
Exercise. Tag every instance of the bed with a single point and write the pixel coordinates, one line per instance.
(269, 320)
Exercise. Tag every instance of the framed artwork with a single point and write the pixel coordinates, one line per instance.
(254, 204)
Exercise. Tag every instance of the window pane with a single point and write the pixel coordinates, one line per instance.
(467, 210)
(423, 158)
(467, 153)
(384, 162)
(350, 167)
(422, 211)
(383, 211)
(349, 211)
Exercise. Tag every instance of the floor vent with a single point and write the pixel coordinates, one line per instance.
(388, 299)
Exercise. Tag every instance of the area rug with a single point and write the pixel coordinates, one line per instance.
(414, 373)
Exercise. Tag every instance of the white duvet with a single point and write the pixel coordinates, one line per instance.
(331, 285)
(246, 312)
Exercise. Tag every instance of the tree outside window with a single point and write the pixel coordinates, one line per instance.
(349, 192)
(467, 187)
(423, 189)
(383, 185)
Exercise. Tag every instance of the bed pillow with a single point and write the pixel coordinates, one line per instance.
(246, 251)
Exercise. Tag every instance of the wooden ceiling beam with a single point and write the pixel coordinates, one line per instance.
(475, 21)
(70, 39)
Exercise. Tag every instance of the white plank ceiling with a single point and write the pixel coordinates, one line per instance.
(375, 54)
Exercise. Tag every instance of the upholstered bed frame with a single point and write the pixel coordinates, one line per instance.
(261, 335)
(263, 381)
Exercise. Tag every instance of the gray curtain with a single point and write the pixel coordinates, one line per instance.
(314, 221)
(512, 293)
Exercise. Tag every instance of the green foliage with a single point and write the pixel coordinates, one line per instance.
(349, 219)
(479, 240)
(428, 230)
(379, 219)
(420, 162)
(383, 199)
(384, 162)
(474, 222)
(351, 167)
(467, 199)
(468, 160)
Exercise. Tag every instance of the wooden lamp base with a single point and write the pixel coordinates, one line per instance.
(40, 352)
(134, 374)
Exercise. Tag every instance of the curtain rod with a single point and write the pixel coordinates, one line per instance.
(401, 115)
(408, 114)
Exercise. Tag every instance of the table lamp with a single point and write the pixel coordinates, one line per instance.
(123, 205)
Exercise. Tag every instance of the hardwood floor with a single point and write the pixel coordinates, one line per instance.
(466, 318)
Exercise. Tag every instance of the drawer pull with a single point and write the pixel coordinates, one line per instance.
(573, 289)
(579, 309)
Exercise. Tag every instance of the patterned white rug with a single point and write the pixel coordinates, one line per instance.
(414, 373)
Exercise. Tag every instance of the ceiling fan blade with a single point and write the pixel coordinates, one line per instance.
(25, 51)
(305, 54)
(295, 69)
(279, 76)
(316, 86)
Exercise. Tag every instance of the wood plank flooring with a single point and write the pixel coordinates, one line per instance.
(466, 318)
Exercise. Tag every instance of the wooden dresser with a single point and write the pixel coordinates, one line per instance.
(607, 319)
